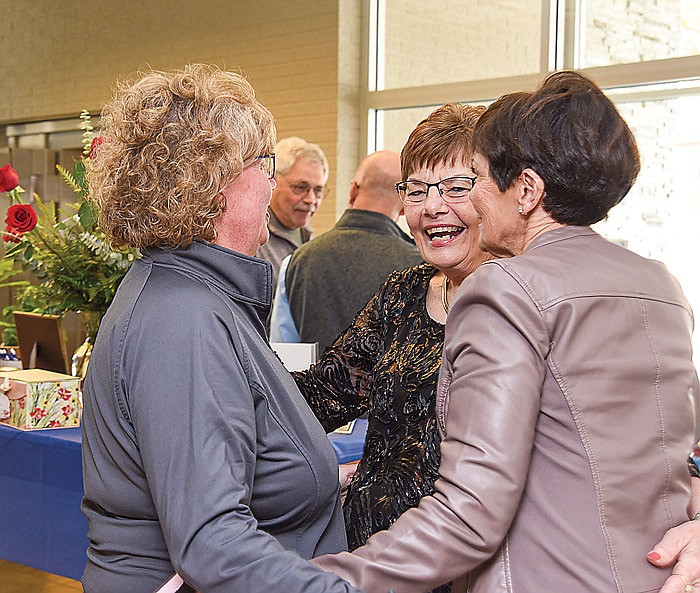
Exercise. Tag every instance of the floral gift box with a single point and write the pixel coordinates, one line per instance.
(35, 398)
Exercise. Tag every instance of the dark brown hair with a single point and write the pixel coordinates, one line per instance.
(442, 137)
(572, 135)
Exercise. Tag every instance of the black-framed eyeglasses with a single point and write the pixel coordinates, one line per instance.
(267, 164)
(451, 190)
(302, 188)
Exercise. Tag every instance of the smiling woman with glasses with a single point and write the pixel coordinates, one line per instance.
(387, 362)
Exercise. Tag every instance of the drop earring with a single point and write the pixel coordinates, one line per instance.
(520, 210)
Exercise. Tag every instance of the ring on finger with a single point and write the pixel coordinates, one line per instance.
(688, 585)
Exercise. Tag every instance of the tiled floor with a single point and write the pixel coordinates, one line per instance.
(15, 578)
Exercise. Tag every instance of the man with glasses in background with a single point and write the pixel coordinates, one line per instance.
(326, 282)
(301, 175)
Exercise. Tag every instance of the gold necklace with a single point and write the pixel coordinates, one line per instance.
(445, 304)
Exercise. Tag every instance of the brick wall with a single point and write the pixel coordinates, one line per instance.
(59, 58)
(617, 32)
(625, 31)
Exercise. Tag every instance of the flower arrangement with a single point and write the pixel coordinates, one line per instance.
(74, 267)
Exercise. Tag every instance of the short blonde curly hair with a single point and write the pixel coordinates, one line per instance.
(173, 141)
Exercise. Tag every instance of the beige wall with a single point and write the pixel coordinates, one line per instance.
(349, 151)
(59, 58)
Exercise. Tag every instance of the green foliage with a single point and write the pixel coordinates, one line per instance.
(86, 127)
(69, 179)
(72, 265)
(88, 214)
(75, 267)
(9, 278)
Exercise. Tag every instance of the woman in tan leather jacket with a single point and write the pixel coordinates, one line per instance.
(567, 368)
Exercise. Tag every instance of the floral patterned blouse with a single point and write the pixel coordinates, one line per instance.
(386, 363)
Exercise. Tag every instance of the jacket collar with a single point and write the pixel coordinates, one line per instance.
(241, 277)
(367, 220)
(559, 234)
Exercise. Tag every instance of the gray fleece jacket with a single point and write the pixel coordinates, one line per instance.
(200, 456)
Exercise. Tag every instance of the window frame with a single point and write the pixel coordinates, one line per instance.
(560, 48)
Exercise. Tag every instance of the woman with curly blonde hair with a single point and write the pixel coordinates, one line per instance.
(200, 455)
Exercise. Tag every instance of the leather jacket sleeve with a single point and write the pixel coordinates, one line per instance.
(493, 367)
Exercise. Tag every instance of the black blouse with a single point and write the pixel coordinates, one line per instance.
(386, 363)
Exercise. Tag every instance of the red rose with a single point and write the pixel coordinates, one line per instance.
(10, 236)
(9, 179)
(20, 218)
(95, 144)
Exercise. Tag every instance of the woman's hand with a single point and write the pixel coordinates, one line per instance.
(681, 545)
(346, 472)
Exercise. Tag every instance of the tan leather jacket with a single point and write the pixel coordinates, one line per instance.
(568, 404)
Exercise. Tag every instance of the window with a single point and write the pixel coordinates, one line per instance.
(625, 32)
(644, 53)
(659, 217)
(394, 125)
(452, 40)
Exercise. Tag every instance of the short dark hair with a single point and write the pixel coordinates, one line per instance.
(442, 137)
(572, 135)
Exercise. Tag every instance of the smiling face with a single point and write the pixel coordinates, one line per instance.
(447, 235)
(294, 210)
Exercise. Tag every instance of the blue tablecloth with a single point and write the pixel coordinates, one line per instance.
(349, 447)
(41, 487)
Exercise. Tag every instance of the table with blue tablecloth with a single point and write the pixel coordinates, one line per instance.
(41, 487)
